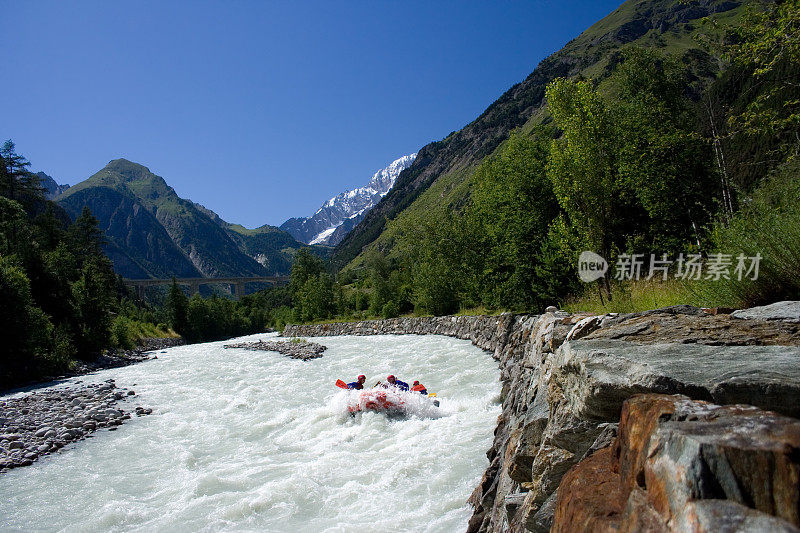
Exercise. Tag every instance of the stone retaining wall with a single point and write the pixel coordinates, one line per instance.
(487, 332)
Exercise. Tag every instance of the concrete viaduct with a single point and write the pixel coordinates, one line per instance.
(237, 284)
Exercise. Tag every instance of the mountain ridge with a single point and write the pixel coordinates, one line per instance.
(153, 232)
(51, 187)
(338, 215)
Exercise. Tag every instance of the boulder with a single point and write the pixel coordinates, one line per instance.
(684, 465)
(589, 496)
(784, 311)
(512, 503)
(41, 432)
(597, 375)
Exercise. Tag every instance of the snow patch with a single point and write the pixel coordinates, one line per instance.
(322, 236)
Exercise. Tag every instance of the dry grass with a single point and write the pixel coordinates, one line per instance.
(642, 295)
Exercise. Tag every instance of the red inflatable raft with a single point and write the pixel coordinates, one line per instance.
(381, 400)
(387, 400)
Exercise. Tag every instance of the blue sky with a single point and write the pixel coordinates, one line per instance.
(261, 110)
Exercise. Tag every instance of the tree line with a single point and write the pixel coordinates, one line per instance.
(58, 288)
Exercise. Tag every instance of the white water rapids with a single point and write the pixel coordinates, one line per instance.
(255, 441)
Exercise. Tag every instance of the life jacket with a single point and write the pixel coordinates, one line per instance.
(420, 389)
(402, 385)
(355, 385)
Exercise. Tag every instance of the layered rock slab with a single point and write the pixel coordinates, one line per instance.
(683, 465)
(596, 375)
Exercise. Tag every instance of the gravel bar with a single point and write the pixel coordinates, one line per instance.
(296, 350)
(42, 422)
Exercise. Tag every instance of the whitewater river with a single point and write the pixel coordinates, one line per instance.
(255, 441)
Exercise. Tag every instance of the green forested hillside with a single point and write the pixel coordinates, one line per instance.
(662, 129)
(679, 28)
(58, 289)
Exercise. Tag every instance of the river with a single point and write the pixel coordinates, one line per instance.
(255, 441)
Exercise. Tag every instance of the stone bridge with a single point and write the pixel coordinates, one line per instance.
(237, 283)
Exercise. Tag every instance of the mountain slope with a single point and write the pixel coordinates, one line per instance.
(440, 175)
(139, 246)
(340, 214)
(272, 247)
(51, 188)
(152, 232)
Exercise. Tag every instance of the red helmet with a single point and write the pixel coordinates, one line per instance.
(362, 377)
(390, 378)
(416, 382)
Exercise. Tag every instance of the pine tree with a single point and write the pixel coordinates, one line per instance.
(16, 181)
(86, 235)
(177, 309)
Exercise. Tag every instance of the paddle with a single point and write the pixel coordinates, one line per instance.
(341, 384)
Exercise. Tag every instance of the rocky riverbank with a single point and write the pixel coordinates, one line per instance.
(111, 359)
(302, 350)
(566, 379)
(142, 352)
(43, 422)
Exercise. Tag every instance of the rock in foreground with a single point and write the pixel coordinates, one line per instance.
(683, 465)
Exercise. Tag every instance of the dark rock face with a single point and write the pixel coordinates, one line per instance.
(567, 377)
(51, 188)
(664, 17)
(683, 465)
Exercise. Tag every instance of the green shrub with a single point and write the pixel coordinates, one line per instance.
(770, 226)
(281, 316)
(634, 296)
(122, 335)
(390, 310)
(63, 350)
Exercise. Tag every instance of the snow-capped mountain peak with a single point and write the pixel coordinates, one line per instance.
(341, 213)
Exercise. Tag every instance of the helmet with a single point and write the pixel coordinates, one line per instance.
(362, 377)
(390, 378)
(416, 382)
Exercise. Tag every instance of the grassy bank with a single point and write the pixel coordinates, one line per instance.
(126, 333)
(631, 297)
